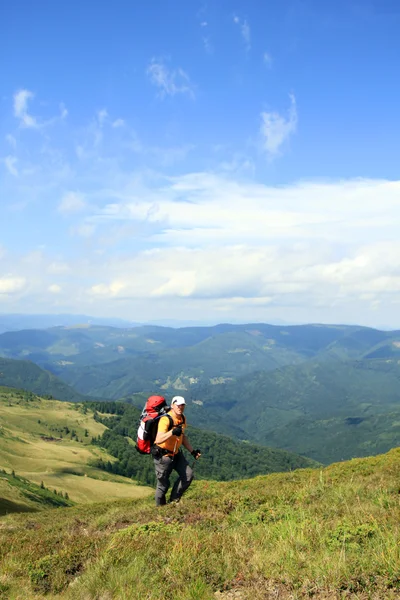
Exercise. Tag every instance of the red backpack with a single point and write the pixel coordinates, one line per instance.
(155, 408)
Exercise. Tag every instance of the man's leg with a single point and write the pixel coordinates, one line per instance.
(185, 478)
(163, 467)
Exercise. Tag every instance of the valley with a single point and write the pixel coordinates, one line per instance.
(327, 392)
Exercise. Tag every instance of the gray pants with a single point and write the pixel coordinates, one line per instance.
(164, 467)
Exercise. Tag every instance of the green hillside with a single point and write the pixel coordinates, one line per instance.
(326, 534)
(219, 358)
(74, 447)
(328, 411)
(48, 441)
(17, 494)
(223, 458)
(27, 375)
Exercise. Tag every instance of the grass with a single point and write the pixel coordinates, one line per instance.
(20, 495)
(330, 533)
(37, 442)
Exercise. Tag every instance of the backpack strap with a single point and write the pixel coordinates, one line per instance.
(171, 421)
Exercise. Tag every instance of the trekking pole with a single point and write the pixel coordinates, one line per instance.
(194, 462)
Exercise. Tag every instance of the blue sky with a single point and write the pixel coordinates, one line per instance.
(211, 161)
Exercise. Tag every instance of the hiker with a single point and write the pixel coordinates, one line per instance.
(168, 456)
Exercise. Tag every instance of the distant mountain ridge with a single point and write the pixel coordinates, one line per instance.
(17, 322)
(112, 362)
(327, 392)
(27, 375)
(328, 410)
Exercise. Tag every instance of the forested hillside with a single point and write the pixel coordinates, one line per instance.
(27, 375)
(329, 410)
(113, 362)
(329, 392)
(223, 458)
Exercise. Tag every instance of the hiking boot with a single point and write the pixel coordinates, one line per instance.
(176, 501)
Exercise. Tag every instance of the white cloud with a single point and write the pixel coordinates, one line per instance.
(85, 230)
(208, 242)
(113, 289)
(54, 288)
(208, 47)
(276, 129)
(72, 202)
(313, 250)
(267, 58)
(10, 162)
(63, 112)
(170, 82)
(102, 116)
(303, 245)
(58, 268)
(21, 99)
(118, 123)
(244, 30)
(11, 285)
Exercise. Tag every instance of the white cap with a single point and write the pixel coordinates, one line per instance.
(178, 400)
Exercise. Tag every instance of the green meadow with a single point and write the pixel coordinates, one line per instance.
(49, 442)
(324, 533)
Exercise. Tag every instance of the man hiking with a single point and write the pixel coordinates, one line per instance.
(168, 456)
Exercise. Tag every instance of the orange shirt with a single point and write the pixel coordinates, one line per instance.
(173, 443)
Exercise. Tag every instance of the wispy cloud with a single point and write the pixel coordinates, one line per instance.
(102, 116)
(10, 162)
(27, 120)
(63, 112)
(267, 59)
(72, 202)
(21, 99)
(170, 82)
(208, 47)
(276, 128)
(213, 241)
(244, 30)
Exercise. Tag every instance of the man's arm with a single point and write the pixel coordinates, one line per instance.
(189, 447)
(163, 434)
(187, 444)
(163, 437)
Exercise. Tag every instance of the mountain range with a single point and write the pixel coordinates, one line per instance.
(322, 391)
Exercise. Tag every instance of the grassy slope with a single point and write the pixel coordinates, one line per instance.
(17, 494)
(62, 464)
(331, 533)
